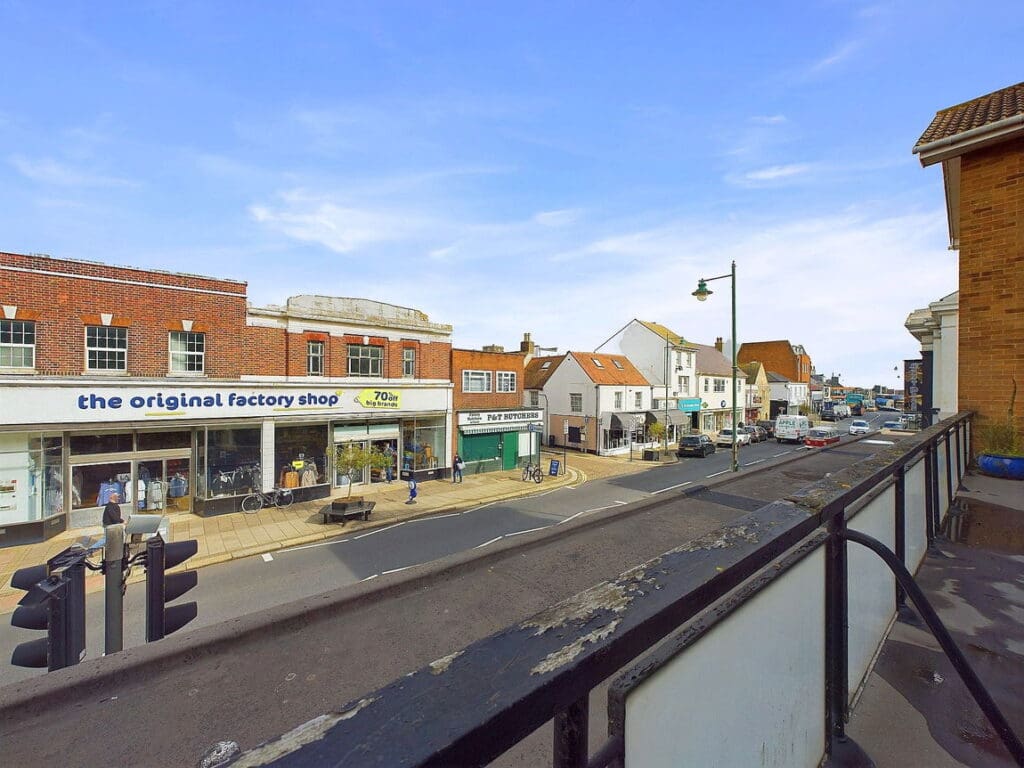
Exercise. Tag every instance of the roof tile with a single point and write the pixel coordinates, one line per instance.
(975, 113)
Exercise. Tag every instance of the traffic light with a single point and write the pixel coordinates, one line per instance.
(161, 587)
(54, 601)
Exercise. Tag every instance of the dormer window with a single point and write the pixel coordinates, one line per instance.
(596, 362)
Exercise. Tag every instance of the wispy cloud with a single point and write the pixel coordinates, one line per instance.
(768, 119)
(835, 57)
(560, 218)
(50, 171)
(778, 172)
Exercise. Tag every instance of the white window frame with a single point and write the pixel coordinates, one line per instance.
(408, 362)
(106, 350)
(638, 400)
(186, 354)
(576, 402)
(8, 328)
(373, 357)
(505, 381)
(618, 401)
(596, 362)
(534, 398)
(477, 382)
(316, 352)
(719, 385)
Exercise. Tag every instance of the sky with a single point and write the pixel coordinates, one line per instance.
(556, 168)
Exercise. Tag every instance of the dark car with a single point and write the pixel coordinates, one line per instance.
(695, 445)
(757, 434)
(768, 425)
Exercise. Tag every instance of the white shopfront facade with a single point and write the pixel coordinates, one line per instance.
(200, 447)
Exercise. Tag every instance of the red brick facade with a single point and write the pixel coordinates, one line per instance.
(474, 360)
(777, 357)
(991, 219)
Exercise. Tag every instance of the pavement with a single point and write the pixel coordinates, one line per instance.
(238, 535)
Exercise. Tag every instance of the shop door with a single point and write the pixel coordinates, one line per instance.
(482, 452)
(510, 455)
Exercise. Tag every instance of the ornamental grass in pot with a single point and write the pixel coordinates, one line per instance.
(1002, 452)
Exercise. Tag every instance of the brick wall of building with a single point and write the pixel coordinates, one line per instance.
(473, 360)
(63, 297)
(992, 280)
(776, 356)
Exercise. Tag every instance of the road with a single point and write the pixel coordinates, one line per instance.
(239, 587)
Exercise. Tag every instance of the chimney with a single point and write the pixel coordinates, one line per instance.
(526, 345)
(718, 343)
(493, 348)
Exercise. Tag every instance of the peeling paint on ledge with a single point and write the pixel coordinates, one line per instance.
(441, 665)
(569, 652)
(721, 539)
(606, 596)
(307, 733)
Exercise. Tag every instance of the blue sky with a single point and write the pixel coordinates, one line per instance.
(557, 168)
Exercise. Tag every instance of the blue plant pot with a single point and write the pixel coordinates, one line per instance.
(1011, 467)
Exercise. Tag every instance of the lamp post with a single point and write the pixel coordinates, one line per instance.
(702, 294)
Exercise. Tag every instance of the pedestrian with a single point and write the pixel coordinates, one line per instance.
(457, 466)
(389, 469)
(412, 490)
(112, 512)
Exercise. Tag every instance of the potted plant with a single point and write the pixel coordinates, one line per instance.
(1002, 454)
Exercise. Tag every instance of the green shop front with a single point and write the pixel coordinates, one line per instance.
(492, 441)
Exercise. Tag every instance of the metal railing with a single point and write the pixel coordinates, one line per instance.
(470, 707)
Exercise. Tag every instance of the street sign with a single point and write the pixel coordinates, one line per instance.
(533, 427)
(553, 468)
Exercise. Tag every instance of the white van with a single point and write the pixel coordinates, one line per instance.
(791, 429)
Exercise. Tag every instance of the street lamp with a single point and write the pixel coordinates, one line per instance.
(702, 294)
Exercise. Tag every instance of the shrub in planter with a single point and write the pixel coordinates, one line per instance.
(1001, 454)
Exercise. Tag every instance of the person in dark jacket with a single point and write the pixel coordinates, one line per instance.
(457, 467)
(112, 512)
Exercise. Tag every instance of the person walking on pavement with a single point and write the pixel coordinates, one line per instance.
(457, 466)
(389, 470)
(412, 490)
(112, 512)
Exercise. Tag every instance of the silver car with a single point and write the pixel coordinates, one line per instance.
(725, 437)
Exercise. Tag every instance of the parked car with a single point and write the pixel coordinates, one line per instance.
(828, 415)
(768, 425)
(819, 437)
(894, 425)
(695, 445)
(859, 427)
(757, 434)
(725, 437)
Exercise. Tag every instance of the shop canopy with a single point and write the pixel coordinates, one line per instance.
(479, 429)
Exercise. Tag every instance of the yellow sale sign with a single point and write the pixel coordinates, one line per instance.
(380, 398)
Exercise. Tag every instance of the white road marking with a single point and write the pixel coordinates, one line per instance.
(621, 502)
(474, 509)
(486, 543)
(396, 570)
(776, 455)
(752, 463)
(434, 517)
(717, 473)
(318, 544)
(267, 557)
(671, 487)
(529, 530)
(378, 530)
(368, 578)
(588, 511)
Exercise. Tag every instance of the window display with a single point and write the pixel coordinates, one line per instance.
(300, 455)
(423, 444)
(31, 487)
(230, 461)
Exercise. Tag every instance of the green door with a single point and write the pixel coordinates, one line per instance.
(477, 448)
(510, 453)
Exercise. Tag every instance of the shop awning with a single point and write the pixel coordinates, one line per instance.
(481, 429)
(623, 420)
(676, 417)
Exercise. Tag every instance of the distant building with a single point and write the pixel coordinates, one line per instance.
(790, 360)
(936, 327)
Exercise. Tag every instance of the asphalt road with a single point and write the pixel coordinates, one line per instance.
(238, 587)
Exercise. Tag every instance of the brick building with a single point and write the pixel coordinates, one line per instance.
(980, 145)
(790, 360)
(171, 390)
(494, 430)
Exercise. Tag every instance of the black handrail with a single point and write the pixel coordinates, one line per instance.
(963, 668)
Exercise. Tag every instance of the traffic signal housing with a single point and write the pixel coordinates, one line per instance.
(161, 587)
(55, 601)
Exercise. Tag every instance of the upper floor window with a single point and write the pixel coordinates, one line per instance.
(364, 360)
(705, 385)
(476, 381)
(618, 401)
(17, 344)
(106, 348)
(506, 381)
(188, 352)
(638, 400)
(408, 363)
(314, 358)
(534, 398)
(684, 383)
(719, 385)
(576, 402)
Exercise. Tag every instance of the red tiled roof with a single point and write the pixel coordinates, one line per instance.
(607, 372)
(537, 375)
(984, 110)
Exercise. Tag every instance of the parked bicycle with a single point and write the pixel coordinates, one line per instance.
(257, 500)
(532, 472)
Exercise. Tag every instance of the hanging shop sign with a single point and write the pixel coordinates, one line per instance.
(380, 399)
(689, 404)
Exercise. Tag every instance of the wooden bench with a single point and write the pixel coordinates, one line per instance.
(344, 509)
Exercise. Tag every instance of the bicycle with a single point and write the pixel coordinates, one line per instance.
(532, 472)
(279, 497)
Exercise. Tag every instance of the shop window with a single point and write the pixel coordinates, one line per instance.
(576, 402)
(93, 485)
(31, 485)
(506, 381)
(230, 462)
(17, 344)
(408, 363)
(300, 455)
(314, 358)
(106, 348)
(364, 360)
(423, 445)
(476, 381)
(160, 441)
(188, 352)
(116, 442)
